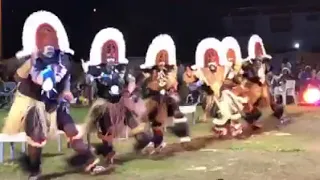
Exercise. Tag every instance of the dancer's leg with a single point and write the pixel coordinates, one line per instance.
(33, 162)
(35, 130)
(84, 157)
(181, 126)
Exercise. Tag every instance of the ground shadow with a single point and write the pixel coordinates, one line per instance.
(48, 155)
(269, 123)
(169, 151)
(74, 171)
(58, 174)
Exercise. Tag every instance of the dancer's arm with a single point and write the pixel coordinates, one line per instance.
(195, 85)
(36, 74)
(67, 89)
(23, 71)
(94, 71)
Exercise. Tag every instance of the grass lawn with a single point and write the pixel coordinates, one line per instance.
(267, 156)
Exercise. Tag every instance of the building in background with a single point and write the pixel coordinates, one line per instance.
(283, 29)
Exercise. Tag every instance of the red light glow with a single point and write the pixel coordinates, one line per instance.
(311, 95)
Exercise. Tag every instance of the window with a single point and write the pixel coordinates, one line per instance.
(281, 23)
(243, 26)
(312, 17)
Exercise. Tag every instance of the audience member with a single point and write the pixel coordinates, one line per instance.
(286, 64)
(306, 74)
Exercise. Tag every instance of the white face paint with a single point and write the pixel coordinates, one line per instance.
(111, 60)
(48, 51)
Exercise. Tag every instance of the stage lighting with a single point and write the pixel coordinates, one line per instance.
(311, 95)
(296, 45)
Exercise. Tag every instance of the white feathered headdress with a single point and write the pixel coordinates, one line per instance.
(233, 50)
(43, 28)
(256, 48)
(161, 50)
(210, 51)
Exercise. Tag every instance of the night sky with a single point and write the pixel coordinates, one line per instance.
(187, 21)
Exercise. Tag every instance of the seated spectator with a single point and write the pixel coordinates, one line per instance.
(285, 75)
(306, 74)
(313, 79)
(286, 64)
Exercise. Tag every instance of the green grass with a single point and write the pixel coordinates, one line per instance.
(78, 114)
(171, 168)
(52, 164)
(269, 143)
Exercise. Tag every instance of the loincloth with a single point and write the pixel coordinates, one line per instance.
(114, 115)
(29, 115)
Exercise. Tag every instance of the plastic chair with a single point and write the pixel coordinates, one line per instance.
(8, 93)
(189, 99)
(289, 89)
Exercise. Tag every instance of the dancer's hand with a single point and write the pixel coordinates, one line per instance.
(34, 55)
(131, 87)
(140, 108)
(68, 96)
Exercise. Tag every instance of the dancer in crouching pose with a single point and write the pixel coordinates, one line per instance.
(160, 85)
(39, 107)
(209, 72)
(118, 104)
(254, 85)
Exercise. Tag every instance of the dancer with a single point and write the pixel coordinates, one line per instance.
(234, 58)
(162, 99)
(232, 81)
(39, 107)
(254, 85)
(118, 104)
(210, 72)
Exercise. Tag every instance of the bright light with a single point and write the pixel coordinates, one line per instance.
(94, 10)
(311, 95)
(296, 45)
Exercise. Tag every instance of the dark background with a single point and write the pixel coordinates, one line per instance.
(187, 21)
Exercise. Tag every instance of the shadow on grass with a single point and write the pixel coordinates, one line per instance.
(169, 151)
(49, 155)
(58, 174)
(269, 124)
(74, 171)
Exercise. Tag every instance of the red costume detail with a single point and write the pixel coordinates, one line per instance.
(109, 50)
(46, 35)
(210, 56)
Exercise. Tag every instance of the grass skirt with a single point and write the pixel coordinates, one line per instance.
(29, 115)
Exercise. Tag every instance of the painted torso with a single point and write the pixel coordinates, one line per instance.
(161, 80)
